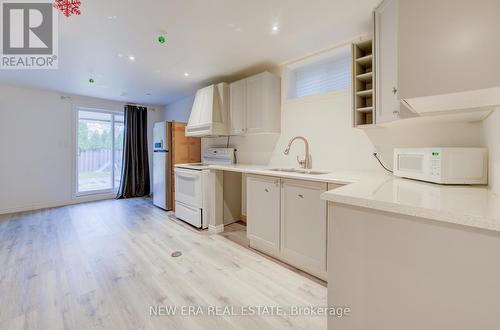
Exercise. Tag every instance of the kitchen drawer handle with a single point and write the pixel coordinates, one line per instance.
(301, 196)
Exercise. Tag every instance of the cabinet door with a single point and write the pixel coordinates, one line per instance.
(304, 225)
(386, 62)
(237, 108)
(255, 104)
(263, 213)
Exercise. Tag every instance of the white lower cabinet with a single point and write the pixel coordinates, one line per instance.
(304, 225)
(287, 219)
(263, 213)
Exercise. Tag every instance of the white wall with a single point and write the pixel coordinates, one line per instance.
(491, 140)
(178, 111)
(37, 147)
(326, 121)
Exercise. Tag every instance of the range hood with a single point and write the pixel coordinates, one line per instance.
(469, 101)
(209, 116)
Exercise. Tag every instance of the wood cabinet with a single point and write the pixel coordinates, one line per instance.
(263, 213)
(304, 225)
(287, 219)
(184, 150)
(255, 105)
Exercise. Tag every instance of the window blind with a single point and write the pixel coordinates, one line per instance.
(324, 74)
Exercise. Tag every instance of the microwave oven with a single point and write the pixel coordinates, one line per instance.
(442, 165)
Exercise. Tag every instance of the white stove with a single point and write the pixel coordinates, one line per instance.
(191, 186)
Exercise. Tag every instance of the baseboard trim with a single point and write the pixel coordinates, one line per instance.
(215, 229)
(41, 206)
(243, 218)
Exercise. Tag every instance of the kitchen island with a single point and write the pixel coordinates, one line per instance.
(411, 255)
(402, 254)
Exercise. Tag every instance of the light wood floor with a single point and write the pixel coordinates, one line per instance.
(103, 265)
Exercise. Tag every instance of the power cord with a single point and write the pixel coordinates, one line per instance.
(375, 154)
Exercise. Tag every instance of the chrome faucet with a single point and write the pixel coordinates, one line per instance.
(306, 162)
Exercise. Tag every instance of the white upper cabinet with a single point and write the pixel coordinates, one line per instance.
(237, 113)
(255, 105)
(386, 62)
(447, 46)
(433, 56)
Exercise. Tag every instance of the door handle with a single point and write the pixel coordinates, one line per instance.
(301, 196)
(266, 190)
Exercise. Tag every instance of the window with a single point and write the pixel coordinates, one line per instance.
(320, 74)
(99, 151)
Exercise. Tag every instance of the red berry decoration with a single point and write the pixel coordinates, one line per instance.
(68, 7)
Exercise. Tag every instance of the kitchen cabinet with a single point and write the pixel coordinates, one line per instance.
(304, 225)
(255, 105)
(263, 213)
(287, 219)
(430, 48)
(237, 106)
(386, 62)
(447, 46)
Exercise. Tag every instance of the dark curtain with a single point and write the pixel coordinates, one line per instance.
(135, 170)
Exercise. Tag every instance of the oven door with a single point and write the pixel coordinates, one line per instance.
(188, 187)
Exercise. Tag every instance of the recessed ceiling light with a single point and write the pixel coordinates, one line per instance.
(132, 58)
(186, 74)
(275, 28)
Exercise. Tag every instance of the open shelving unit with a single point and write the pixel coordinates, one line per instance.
(363, 83)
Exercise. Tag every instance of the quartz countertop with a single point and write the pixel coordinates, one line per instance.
(337, 177)
(472, 206)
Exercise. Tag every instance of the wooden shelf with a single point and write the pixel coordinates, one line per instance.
(368, 59)
(365, 93)
(363, 84)
(365, 109)
(365, 76)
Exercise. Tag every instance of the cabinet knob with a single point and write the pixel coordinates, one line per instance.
(394, 90)
(301, 196)
(266, 190)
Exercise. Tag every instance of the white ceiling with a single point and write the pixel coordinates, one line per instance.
(209, 39)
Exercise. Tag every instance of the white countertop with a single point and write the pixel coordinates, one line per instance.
(473, 206)
(338, 177)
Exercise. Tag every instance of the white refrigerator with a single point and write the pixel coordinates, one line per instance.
(162, 165)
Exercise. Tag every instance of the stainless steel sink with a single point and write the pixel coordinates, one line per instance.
(298, 170)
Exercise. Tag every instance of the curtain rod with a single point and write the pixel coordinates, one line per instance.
(148, 107)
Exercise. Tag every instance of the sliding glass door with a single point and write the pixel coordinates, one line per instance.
(99, 151)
